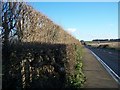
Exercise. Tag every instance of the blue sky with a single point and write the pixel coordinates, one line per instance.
(84, 20)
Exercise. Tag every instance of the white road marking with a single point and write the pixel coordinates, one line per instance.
(110, 52)
(110, 71)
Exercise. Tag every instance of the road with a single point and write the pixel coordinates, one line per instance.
(109, 57)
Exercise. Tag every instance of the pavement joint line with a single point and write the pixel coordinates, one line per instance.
(110, 71)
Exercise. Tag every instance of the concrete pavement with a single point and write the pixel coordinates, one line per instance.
(97, 76)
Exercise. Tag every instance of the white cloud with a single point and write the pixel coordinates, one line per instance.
(74, 32)
(71, 30)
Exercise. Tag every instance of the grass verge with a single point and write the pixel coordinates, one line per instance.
(77, 79)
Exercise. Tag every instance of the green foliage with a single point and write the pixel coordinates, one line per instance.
(78, 78)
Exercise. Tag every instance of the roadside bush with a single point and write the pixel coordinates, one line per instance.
(35, 65)
(77, 79)
(40, 54)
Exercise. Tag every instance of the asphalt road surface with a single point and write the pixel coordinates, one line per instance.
(109, 57)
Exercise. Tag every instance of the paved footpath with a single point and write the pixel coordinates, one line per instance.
(97, 76)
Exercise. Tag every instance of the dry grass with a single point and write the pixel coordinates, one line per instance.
(114, 45)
